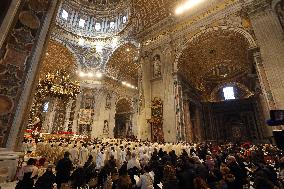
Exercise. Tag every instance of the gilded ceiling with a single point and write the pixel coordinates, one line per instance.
(214, 56)
(101, 4)
(150, 12)
(57, 57)
(123, 65)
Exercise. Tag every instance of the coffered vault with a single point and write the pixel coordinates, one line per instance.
(215, 57)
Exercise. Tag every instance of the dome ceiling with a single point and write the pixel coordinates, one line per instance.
(102, 4)
(214, 57)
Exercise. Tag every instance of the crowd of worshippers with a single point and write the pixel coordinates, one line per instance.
(122, 164)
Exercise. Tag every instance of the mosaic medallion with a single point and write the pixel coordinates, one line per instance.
(6, 104)
(29, 19)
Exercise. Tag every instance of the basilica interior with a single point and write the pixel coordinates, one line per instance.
(163, 71)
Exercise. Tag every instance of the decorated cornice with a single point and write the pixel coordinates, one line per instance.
(178, 29)
(255, 7)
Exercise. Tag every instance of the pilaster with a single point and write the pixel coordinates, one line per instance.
(20, 64)
(269, 35)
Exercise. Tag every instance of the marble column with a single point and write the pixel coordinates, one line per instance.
(51, 117)
(75, 125)
(187, 121)
(266, 98)
(8, 20)
(67, 115)
(269, 35)
(145, 98)
(23, 47)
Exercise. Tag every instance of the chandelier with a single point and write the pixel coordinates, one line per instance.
(58, 85)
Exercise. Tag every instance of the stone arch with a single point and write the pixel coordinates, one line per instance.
(249, 38)
(274, 3)
(58, 56)
(70, 49)
(123, 118)
(122, 65)
(126, 100)
(119, 45)
(237, 84)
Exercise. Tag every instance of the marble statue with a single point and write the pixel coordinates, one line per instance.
(157, 66)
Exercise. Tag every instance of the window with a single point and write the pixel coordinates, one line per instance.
(64, 14)
(124, 19)
(82, 23)
(229, 93)
(98, 27)
(45, 106)
(111, 25)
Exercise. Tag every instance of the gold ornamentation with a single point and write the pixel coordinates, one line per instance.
(122, 64)
(58, 57)
(219, 47)
(6, 104)
(29, 19)
(58, 85)
(38, 5)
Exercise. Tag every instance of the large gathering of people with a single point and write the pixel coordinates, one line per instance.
(124, 164)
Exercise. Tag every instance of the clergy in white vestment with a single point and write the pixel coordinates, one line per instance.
(83, 155)
(140, 151)
(133, 162)
(100, 162)
(74, 153)
(122, 155)
(144, 160)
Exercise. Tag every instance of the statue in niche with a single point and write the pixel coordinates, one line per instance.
(157, 66)
(108, 102)
(106, 128)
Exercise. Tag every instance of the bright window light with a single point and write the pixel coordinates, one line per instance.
(98, 27)
(82, 74)
(124, 19)
(99, 74)
(45, 106)
(229, 93)
(187, 5)
(99, 47)
(64, 14)
(111, 25)
(81, 41)
(81, 23)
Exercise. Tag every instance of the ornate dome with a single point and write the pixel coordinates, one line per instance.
(94, 18)
(102, 4)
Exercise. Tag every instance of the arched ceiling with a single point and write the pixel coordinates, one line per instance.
(215, 56)
(58, 57)
(123, 106)
(123, 65)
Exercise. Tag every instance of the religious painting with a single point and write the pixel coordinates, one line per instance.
(279, 8)
(156, 120)
(157, 71)
(85, 116)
